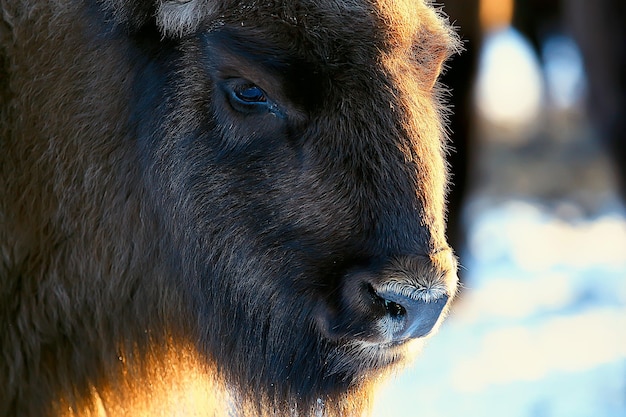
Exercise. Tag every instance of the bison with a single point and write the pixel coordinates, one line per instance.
(218, 207)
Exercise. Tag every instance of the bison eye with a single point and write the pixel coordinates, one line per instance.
(248, 99)
(251, 94)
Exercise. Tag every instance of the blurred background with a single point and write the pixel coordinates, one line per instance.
(537, 216)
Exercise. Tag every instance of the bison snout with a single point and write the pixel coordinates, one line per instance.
(393, 301)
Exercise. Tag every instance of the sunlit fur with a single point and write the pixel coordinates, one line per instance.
(163, 252)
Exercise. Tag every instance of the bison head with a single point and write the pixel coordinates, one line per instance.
(263, 180)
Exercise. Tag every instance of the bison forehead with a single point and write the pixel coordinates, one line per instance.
(377, 24)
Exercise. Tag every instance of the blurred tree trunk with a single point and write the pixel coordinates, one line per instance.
(599, 28)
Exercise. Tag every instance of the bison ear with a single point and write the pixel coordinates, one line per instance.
(437, 42)
(181, 17)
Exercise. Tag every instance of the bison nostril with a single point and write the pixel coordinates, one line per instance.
(394, 309)
(419, 315)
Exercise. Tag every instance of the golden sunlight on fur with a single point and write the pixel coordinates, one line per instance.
(177, 382)
(419, 33)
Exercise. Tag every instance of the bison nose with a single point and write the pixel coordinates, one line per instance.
(392, 300)
(415, 316)
(414, 292)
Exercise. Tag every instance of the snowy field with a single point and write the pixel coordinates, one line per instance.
(539, 332)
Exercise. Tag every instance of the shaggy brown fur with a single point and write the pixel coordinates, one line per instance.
(189, 190)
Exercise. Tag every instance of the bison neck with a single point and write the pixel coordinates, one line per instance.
(178, 381)
(174, 381)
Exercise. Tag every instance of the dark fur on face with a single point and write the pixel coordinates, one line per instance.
(216, 189)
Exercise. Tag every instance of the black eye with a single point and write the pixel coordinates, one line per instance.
(251, 94)
(248, 98)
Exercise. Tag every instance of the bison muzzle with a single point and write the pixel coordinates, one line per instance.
(218, 207)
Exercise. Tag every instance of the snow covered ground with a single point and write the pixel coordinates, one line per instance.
(541, 328)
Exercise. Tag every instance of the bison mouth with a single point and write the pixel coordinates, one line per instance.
(357, 357)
